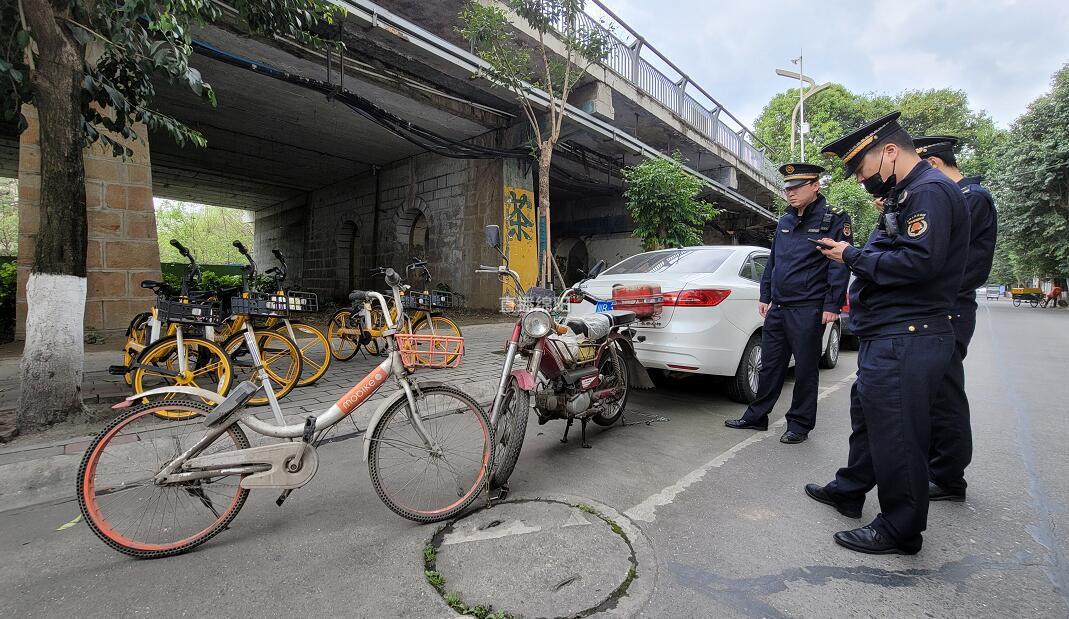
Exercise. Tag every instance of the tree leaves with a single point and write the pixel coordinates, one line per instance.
(835, 111)
(1031, 186)
(142, 40)
(661, 199)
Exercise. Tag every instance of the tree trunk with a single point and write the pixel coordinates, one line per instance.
(52, 360)
(545, 157)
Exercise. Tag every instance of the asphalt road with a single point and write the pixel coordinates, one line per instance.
(726, 528)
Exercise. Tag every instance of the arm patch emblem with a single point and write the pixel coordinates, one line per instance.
(917, 225)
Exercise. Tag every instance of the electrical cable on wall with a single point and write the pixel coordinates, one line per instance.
(411, 132)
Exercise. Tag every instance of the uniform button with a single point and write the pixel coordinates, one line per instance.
(949, 317)
(912, 328)
(925, 326)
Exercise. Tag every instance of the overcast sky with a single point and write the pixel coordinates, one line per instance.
(1001, 52)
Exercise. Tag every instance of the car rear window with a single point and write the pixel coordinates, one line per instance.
(673, 261)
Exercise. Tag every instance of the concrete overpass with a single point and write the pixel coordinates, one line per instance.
(410, 167)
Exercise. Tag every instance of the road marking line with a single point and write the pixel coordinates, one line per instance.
(646, 511)
(71, 523)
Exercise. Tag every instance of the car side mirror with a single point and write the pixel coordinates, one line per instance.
(596, 270)
(493, 236)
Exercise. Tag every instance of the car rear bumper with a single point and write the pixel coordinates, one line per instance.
(710, 346)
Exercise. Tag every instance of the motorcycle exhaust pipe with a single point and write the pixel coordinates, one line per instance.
(611, 392)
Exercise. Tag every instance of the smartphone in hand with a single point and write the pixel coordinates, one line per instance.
(819, 244)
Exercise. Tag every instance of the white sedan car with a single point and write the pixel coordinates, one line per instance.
(709, 324)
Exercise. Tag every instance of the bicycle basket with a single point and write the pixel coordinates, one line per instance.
(299, 301)
(174, 311)
(430, 351)
(430, 299)
(260, 304)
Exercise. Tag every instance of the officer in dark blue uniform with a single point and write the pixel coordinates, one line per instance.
(951, 449)
(801, 292)
(908, 277)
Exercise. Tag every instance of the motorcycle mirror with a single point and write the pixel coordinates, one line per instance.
(493, 236)
(598, 268)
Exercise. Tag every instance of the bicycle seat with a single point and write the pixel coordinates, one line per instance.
(151, 283)
(596, 326)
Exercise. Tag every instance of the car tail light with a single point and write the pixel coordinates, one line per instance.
(705, 297)
(574, 298)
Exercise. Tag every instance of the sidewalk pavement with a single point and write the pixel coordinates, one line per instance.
(42, 471)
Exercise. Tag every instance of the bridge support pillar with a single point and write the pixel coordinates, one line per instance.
(122, 248)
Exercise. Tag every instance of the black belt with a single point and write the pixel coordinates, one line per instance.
(921, 326)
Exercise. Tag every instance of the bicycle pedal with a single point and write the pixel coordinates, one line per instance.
(309, 429)
(282, 497)
(118, 370)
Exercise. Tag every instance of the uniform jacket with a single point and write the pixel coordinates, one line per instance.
(916, 273)
(797, 273)
(983, 231)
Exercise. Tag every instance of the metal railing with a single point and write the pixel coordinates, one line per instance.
(626, 61)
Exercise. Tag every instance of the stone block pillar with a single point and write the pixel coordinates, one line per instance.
(122, 248)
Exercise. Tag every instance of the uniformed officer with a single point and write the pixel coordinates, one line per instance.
(951, 449)
(908, 277)
(801, 292)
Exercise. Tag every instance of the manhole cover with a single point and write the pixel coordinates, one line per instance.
(533, 558)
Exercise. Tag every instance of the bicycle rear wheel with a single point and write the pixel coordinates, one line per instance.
(131, 513)
(429, 324)
(342, 346)
(137, 335)
(429, 484)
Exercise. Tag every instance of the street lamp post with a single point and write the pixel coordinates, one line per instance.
(803, 94)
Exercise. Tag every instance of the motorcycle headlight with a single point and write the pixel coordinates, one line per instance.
(536, 323)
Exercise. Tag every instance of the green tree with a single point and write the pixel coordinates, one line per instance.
(521, 65)
(835, 111)
(661, 198)
(89, 68)
(9, 217)
(1031, 185)
(208, 231)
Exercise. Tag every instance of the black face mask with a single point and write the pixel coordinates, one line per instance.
(876, 185)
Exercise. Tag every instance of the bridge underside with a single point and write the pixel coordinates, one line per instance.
(340, 193)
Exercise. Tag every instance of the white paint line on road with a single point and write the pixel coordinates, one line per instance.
(646, 511)
(515, 527)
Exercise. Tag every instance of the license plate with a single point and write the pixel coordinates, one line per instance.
(603, 306)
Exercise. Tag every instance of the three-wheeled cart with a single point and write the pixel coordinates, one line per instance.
(1031, 296)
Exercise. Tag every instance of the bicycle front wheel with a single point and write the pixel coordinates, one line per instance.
(207, 367)
(128, 510)
(428, 324)
(315, 351)
(436, 481)
(280, 358)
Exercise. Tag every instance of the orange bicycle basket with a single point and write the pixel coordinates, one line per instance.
(430, 351)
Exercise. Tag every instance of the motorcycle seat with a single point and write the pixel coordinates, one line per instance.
(596, 326)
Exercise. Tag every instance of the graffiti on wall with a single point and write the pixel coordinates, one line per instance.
(521, 240)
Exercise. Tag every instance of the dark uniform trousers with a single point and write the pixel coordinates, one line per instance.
(898, 379)
(797, 331)
(951, 449)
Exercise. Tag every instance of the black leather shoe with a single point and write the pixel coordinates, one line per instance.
(820, 495)
(870, 541)
(792, 438)
(742, 424)
(939, 493)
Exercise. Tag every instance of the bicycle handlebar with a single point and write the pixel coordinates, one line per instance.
(241, 248)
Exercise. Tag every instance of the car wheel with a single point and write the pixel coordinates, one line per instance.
(831, 352)
(743, 386)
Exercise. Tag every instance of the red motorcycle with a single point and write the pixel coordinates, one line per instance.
(583, 369)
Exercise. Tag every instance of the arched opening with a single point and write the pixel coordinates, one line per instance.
(417, 239)
(347, 259)
(572, 259)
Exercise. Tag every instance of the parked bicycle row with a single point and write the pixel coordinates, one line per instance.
(175, 467)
